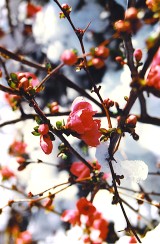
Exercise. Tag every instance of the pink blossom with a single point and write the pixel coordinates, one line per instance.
(71, 216)
(17, 148)
(80, 170)
(46, 144)
(24, 237)
(6, 172)
(153, 78)
(85, 207)
(81, 121)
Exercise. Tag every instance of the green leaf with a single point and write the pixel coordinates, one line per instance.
(14, 77)
(59, 124)
(35, 133)
(38, 120)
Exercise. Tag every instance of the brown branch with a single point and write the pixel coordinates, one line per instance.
(119, 200)
(9, 90)
(8, 54)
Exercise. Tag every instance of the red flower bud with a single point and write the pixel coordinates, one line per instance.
(46, 144)
(20, 160)
(120, 60)
(131, 120)
(69, 57)
(24, 83)
(66, 7)
(108, 102)
(131, 13)
(53, 107)
(137, 55)
(122, 26)
(101, 52)
(98, 63)
(43, 129)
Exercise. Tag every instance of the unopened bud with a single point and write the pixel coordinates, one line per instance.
(122, 26)
(43, 129)
(137, 55)
(101, 52)
(131, 120)
(108, 102)
(69, 57)
(24, 83)
(20, 160)
(131, 13)
(98, 63)
(120, 60)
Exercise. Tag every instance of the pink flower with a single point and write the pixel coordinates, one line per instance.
(80, 170)
(24, 237)
(85, 207)
(46, 144)
(71, 216)
(101, 225)
(81, 121)
(153, 78)
(6, 173)
(17, 148)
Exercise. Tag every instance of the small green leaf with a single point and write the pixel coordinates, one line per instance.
(14, 77)
(38, 120)
(59, 124)
(35, 133)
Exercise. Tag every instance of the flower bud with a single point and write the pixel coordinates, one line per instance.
(131, 13)
(101, 52)
(20, 76)
(98, 63)
(69, 57)
(53, 107)
(137, 55)
(43, 129)
(122, 26)
(46, 144)
(131, 120)
(120, 60)
(20, 160)
(108, 102)
(24, 83)
(66, 7)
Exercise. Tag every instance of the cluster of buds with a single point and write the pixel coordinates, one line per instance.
(99, 54)
(66, 10)
(69, 57)
(25, 81)
(42, 130)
